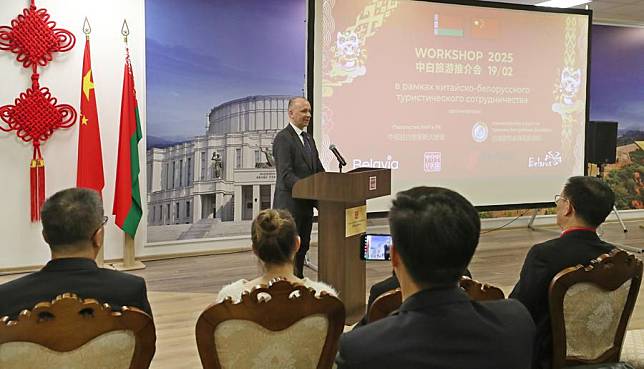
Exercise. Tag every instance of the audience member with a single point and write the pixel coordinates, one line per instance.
(73, 222)
(275, 242)
(435, 232)
(584, 204)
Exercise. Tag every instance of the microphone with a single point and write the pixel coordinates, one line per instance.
(337, 154)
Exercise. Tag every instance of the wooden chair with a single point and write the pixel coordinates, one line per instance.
(384, 305)
(73, 333)
(604, 366)
(590, 307)
(389, 301)
(480, 291)
(276, 326)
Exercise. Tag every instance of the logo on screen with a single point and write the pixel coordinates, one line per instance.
(479, 132)
(374, 163)
(373, 183)
(432, 162)
(550, 159)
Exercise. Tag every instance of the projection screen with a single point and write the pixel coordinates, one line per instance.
(485, 100)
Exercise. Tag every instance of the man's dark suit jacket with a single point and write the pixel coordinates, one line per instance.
(542, 263)
(79, 276)
(443, 329)
(293, 164)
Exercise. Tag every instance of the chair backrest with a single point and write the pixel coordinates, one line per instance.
(384, 305)
(389, 301)
(480, 291)
(75, 333)
(619, 365)
(281, 325)
(590, 307)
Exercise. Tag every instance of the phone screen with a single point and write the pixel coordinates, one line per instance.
(375, 247)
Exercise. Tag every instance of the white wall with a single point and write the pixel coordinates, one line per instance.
(20, 241)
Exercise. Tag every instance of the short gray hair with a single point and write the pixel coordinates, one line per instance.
(292, 101)
(71, 215)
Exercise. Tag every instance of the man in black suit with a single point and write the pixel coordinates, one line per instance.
(582, 206)
(296, 157)
(73, 223)
(435, 232)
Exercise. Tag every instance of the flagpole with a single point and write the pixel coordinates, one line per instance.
(129, 249)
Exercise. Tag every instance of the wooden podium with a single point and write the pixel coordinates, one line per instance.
(339, 256)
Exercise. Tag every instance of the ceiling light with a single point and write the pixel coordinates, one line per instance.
(563, 3)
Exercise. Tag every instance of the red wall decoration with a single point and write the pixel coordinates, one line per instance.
(35, 114)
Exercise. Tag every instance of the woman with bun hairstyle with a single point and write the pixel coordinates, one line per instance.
(275, 242)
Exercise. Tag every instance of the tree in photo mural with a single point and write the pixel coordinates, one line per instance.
(628, 182)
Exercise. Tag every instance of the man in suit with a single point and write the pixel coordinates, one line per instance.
(296, 157)
(73, 223)
(584, 204)
(435, 232)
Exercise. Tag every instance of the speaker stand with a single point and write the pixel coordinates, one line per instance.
(534, 215)
(600, 175)
(533, 228)
(620, 219)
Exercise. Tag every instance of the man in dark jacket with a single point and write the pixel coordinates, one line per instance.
(73, 223)
(296, 157)
(435, 232)
(582, 206)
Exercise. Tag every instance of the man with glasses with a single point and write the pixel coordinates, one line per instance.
(73, 224)
(582, 206)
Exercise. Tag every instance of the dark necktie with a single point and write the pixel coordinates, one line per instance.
(307, 145)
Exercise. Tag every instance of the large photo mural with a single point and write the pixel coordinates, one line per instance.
(219, 76)
(616, 94)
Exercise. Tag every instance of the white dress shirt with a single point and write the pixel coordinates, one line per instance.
(298, 131)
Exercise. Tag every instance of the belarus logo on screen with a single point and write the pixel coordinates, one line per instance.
(376, 163)
(550, 159)
(479, 132)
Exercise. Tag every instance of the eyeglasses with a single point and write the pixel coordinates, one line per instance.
(559, 197)
(105, 218)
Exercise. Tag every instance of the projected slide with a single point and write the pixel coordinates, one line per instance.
(489, 102)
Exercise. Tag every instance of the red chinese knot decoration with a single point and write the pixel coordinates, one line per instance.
(35, 113)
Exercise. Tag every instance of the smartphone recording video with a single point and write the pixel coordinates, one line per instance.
(375, 247)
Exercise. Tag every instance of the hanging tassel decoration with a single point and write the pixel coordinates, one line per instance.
(36, 113)
(33, 174)
(37, 183)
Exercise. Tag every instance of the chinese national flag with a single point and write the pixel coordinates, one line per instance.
(485, 28)
(89, 172)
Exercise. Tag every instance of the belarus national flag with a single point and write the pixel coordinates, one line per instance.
(448, 25)
(127, 196)
(89, 172)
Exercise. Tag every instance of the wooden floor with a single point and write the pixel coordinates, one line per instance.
(179, 289)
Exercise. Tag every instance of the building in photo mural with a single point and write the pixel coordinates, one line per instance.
(219, 75)
(226, 175)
